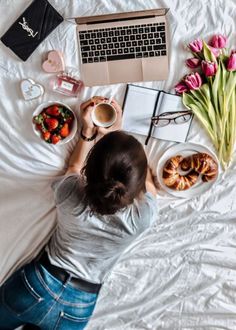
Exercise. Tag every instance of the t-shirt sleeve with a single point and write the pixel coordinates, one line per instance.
(68, 191)
(144, 212)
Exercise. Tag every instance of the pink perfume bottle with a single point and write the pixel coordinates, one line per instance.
(68, 82)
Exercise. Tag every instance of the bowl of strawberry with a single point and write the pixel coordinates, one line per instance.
(54, 122)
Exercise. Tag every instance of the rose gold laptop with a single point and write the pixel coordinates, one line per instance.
(123, 47)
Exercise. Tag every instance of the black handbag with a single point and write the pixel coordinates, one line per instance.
(31, 28)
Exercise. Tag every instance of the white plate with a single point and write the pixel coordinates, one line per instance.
(47, 104)
(185, 149)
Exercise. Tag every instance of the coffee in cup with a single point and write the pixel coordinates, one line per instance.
(104, 114)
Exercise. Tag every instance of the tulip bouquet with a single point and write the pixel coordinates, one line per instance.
(210, 92)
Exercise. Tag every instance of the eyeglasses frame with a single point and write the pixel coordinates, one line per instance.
(182, 113)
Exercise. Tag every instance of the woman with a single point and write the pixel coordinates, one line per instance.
(104, 201)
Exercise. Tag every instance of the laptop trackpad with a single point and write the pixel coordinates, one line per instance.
(155, 68)
(125, 71)
(95, 74)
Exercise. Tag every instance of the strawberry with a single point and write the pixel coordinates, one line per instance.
(64, 131)
(51, 123)
(39, 127)
(68, 120)
(54, 110)
(46, 135)
(55, 138)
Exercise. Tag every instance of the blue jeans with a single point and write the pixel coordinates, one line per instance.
(33, 295)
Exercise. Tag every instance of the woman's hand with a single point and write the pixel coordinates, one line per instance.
(88, 125)
(118, 123)
(86, 109)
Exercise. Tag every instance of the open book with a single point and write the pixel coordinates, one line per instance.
(141, 104)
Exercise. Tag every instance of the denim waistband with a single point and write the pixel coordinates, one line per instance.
(63, 276)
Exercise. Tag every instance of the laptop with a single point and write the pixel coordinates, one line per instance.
(123, 47)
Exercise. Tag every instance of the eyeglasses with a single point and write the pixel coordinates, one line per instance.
(176, 117)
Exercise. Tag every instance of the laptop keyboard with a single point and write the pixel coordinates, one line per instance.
(121, 43)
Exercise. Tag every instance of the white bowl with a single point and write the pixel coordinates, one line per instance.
(44, 105)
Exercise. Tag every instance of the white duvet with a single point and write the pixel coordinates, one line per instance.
(181, 274)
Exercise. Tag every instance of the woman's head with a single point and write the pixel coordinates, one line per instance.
(115, 172)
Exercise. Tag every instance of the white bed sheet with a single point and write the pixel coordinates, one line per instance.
(181, 274)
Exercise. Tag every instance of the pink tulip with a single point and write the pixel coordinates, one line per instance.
(209, 68)
(181, 87)
(193, 63)
(215, 51)
(231, 64)
(218, 41)
(196, 45)
(193, 81)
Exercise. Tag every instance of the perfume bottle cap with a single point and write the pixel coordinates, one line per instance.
(71, 72)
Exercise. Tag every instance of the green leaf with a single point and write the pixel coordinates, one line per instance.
(203, 111)
(215, 89)
(231, 127)
(197, 111)
(208, 55)
(190, 103)
(38, 119)
(192, 98)
(202, 93)
(212, 113)
(230, 86)
(188, 99)
(206, 102)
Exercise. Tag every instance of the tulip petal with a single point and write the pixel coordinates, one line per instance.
(193, 63)
(218, 41)
(196, 45)
(231, 63)
(181, 87)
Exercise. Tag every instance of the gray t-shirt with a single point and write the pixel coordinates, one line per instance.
(88, 245)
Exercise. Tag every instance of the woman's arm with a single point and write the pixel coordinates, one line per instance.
(150, 186)
(79, 155)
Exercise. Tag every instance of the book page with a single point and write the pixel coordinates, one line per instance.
(138, 109)
(172, 132)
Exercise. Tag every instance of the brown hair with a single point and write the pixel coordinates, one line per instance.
(115, 173)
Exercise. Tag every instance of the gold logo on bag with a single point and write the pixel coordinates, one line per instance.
(27, 28)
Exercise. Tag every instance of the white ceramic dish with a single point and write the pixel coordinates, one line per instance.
(47, 104)
(185, 149)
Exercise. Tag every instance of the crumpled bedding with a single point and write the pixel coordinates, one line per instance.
(181, 273)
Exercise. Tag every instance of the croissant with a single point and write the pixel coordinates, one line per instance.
(203, 164)
(173, 179)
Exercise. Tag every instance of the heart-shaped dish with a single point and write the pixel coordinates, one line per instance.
(30, 89)
(54, 62)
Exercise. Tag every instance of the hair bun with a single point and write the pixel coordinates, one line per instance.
(114, 189)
